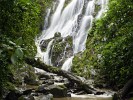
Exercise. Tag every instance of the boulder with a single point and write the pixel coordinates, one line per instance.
(30, 80)
(45, 76)
(56, 90)
(13, 95)
(48, 82)
(27, 92)
(44, 97)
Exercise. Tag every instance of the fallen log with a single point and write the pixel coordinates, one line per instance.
(71, 77)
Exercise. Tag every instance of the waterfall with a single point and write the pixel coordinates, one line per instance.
(73, 20)
(49, 33)
(81, 36)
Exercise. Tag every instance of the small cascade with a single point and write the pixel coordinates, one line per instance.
(67, 65)
(103, 4)
(47, 19)
(45, 56)
(73, 20)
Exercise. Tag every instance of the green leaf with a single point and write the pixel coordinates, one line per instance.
(19, 53)
(14, 58)
(12, 43)
(19, 41)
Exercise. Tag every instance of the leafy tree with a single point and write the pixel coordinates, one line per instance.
(20, 22)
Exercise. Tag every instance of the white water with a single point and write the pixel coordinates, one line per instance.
(81, 36)
(45, 55)
(46, 19)
(70, 21)
(103, 4)
(67, 65)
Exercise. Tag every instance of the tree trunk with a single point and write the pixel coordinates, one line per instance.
(124, 91)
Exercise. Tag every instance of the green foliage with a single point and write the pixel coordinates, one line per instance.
(110, 44)
(20, 22)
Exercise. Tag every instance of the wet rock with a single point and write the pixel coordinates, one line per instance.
(13, 95)
(44, 97)
(41, 89)
(25, 97)
(58, 79)
(48, 97)
(48, 82)
(44, 44)
(45, 76)
(68, 94)
(66, 82)
(57, 91)
(57, 34)
(30, 80)
(27, 92)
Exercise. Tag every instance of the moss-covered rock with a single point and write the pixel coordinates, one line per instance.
(57, 34)
(61, 49)
(26, 75)
(44, 44)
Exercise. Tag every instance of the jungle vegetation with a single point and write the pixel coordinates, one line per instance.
(109, 47)
(20, 22)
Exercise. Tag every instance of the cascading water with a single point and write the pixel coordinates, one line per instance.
(81, 36)
(103, 4)
(46, 19)
(45, 55)
(68, 63)
(73, 20)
